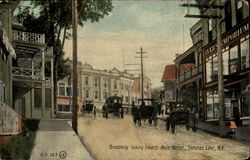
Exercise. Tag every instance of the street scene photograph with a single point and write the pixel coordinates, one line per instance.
(124, 80)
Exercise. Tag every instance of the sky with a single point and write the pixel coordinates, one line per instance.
(159, 27)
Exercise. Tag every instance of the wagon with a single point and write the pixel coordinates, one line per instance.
(148, 112)
(113, 105)
(181, 115)
(88, 107)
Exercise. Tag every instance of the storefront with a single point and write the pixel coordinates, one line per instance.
(236, 64)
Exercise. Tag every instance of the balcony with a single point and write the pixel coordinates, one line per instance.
(26, 73)
(28, 37)
(190, 74)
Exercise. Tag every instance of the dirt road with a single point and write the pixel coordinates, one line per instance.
(120, 139)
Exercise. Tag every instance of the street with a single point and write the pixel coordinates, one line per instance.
(115, 138)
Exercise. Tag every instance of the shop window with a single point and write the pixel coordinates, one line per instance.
(121, 85)
(212, 105)
(244, 47)
(226, 63)
(215, 68)
(234, 59)
(245, 102)
(209, 70)
(68, 91)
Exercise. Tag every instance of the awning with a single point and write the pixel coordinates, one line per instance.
(6, 41)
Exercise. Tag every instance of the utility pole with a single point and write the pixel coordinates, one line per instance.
(222, 121)
(142, 76)
(74, 33)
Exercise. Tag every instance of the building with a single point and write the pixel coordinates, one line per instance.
(167, 95)
(197, 68)
(29, 90)
(236, 68)
(96, 85)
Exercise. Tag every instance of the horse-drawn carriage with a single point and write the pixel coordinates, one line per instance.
(88, 107)
(181, 115)
(145, 112)
(113, 105)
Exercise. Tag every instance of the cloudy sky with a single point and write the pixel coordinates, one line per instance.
(157, 26)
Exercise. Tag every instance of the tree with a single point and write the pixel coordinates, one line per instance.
(54, 19)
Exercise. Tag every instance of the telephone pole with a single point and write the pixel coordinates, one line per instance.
(142, 75)
(218, 6)
(74, 33)
(222, 121)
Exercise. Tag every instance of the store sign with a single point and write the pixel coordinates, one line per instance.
(228, 38)
(10, 121)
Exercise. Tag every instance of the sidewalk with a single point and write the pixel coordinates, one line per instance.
(56, 140)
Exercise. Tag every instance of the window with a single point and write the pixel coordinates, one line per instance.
(234, 61)
(63, 108)
(209, 70)
(105, 83)
(121, 85)
(61, 89)
(2, 91)
(96, 81)
(228, 15)
(68, 91)
(210, 30)
(244, 47)
(239, 11)
(96, 94)
(126, 99)
(37, 98)
(86, 81)
(105, 95)
(86, 93)
(127, 87)
(115, 84)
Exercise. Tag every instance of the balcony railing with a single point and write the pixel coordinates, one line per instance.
(190, 74)
(26, 73)
(28, 37)
(29, 74)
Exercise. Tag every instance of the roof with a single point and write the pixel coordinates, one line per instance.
(169, 73)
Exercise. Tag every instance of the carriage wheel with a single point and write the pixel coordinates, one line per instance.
(155, 122)
(187, 127)
(139, 122)
(168, 123)
(94, 112)
(172, 121)
(150, 121)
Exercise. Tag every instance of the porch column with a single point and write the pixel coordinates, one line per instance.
(52, 87)
(32, 67)
(43, 82)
